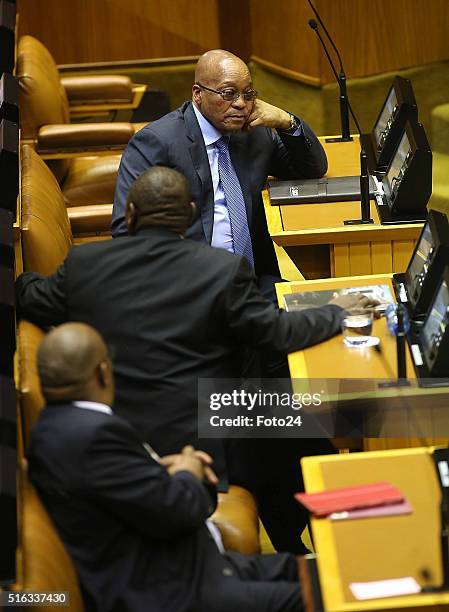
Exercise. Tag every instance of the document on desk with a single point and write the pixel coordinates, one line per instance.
(347, 499)
(385, 588)
(313, 299)
(396, 509)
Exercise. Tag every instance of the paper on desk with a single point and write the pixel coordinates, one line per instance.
(385, 588)
(390, 510)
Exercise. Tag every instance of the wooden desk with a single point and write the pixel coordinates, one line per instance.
(332, 359)
(383, 547)
(320, 245)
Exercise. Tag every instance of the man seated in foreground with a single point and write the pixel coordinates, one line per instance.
(134, 524)
(176, 311)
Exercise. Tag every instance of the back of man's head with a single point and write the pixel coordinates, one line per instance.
(160, 197)
(73, 364)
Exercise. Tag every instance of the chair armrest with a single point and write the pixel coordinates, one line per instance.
(90, 219)
(139, 126)
(83, 136)
(237, 519)
(98, 89)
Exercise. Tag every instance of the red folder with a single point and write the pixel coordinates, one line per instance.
(350, 498)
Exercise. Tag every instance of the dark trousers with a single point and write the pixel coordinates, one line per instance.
(271, 470)
(260, 583)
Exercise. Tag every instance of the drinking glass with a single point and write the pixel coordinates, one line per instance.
(357, 329)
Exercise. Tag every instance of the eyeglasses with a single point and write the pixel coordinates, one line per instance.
(231, 95)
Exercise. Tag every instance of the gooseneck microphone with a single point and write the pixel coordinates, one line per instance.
(340, 78)
(345, 108)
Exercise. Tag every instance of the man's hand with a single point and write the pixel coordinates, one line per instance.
(267, 115)
(355, 303)
(194, 461)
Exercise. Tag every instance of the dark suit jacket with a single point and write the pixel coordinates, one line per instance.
(174, 311)
(136, 535)
(176, 141)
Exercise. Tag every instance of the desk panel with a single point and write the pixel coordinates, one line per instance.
(378, 548)
(332, 359)
(320, 245)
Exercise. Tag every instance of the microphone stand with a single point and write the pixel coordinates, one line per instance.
(365, 209)
(341, 80)
(365, 206)
(401, 380)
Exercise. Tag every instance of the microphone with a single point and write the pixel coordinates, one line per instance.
(340, 78)
(345, 106)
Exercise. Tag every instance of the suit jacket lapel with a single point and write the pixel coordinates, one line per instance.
(239, 157)
(200, 162)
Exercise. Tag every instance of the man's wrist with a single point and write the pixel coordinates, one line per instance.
(293, 125)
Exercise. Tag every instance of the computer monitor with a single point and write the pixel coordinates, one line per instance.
(407, 183)
(427, 263)
(434, 335)
(399, 106)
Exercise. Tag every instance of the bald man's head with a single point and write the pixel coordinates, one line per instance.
(72, 363)
(222, 71)
(213, 65)
(160, 197)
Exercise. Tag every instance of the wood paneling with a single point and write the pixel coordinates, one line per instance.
(281, 36)
(382, 35)
(234, 23)
(108, 30)
(373, 36)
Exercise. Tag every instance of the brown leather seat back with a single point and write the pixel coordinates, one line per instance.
(46, 564)
(43, 562)
(45, 227)
(236, 517)
(42, 98)
(29, 338)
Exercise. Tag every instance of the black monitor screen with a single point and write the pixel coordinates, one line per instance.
(420, 260)
(432, 326)
(390, 104)
(398, 160)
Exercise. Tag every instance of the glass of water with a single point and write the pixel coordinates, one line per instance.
(357, 329)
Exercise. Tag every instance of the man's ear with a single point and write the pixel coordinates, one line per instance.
(193, 212)
(196, 95)
(131, 217)
(104, 374)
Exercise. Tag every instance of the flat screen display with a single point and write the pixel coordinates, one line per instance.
(433, 324)
(389, 106)
(398, 160)
(420, 260)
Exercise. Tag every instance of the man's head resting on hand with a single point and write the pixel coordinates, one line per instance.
(226, 73)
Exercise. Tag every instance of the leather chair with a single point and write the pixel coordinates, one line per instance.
(46, 240)
(45, 123)
(45, 563)
(46, 232)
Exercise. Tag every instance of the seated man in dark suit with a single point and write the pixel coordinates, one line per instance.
(134, 525)
(226, 141)
(176, 310)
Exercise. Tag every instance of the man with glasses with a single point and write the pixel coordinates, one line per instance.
(226, 142)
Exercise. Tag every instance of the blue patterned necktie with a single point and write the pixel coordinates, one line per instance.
(234, 201)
